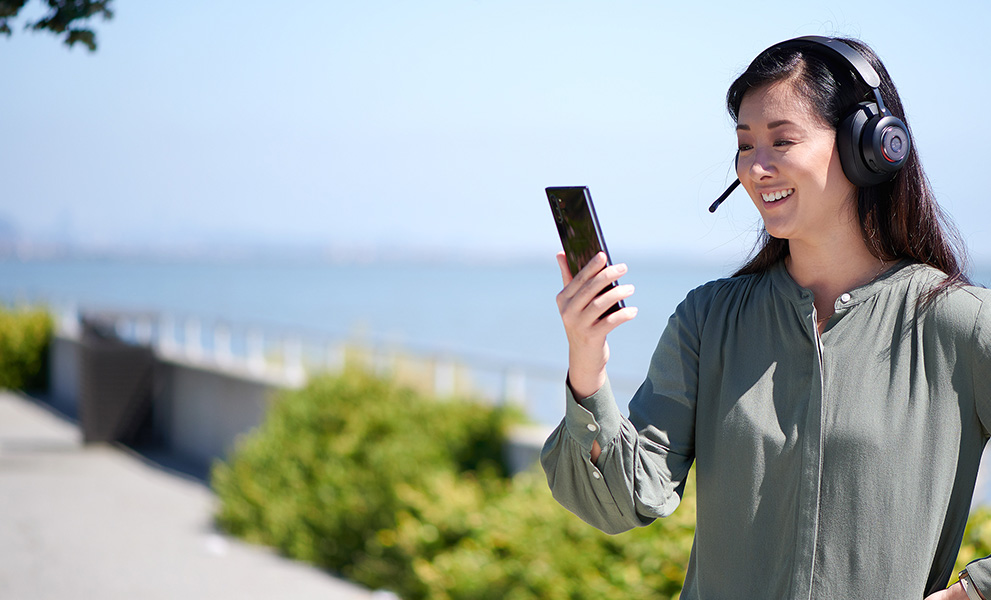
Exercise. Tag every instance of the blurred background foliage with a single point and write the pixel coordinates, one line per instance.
(65, 18)
(976, 538)
(25, 336)
(400, 491)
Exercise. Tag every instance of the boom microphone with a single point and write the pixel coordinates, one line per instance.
(719, 200)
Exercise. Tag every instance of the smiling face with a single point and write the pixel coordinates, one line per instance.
(789, 165)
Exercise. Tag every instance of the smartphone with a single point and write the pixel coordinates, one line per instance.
(578, 227)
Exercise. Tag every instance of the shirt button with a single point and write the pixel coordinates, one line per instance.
(596, 475)
(591, 427)
(845, 297)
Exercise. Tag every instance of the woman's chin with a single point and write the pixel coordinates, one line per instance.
(777, 230)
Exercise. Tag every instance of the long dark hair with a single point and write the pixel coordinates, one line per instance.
(899, 218)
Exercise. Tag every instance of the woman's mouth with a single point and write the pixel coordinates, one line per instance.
(778, 195)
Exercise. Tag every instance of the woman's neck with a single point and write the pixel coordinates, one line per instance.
(828, 270)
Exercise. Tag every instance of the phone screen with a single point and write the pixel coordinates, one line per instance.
(578, 228)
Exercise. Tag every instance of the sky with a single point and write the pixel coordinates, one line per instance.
(435, 125)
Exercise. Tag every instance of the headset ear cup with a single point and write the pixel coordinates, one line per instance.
(886, 145)
(850, 140)
(872, 148)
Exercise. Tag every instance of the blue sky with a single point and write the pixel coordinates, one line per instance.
(437, 124)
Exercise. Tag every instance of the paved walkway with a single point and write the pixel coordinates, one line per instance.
(96, 522)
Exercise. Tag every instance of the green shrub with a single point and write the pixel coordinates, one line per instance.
(322, 474)
(515, 542)
(398, 491)
(25, 335)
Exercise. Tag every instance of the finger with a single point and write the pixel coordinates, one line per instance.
(604, 301)
(603, 279)
(574, 285)
(594, 265)
(584, 317)
(562, 262)
(606, 324)
(613, 295)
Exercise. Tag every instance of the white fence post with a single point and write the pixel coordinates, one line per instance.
(336, 356)
(514, 386)
(445, 378)
(68, 322)
(381, 361)
(166, 335)
(123, 327)
(194, 341)
(222, 344)
(292, 350)
(142, 331)
(255, 343)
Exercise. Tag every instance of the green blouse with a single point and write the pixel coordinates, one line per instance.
(832, 466)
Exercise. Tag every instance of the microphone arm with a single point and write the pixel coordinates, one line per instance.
(719, 200)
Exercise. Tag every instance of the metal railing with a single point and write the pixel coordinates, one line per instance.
(289, 356)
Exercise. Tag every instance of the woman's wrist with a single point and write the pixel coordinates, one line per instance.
(586, 371)
(583, 385)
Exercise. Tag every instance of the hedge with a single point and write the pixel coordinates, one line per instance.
(25, 335)
(399, 491)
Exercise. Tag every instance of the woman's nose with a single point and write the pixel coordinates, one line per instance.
(760, 165)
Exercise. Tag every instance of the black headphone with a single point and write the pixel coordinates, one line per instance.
(873, 144)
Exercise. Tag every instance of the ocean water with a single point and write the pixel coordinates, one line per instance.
(499, 315)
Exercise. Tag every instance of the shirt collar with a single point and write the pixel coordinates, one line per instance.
(786, 286)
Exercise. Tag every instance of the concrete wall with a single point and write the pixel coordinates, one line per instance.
(200, 409)
(63, 364)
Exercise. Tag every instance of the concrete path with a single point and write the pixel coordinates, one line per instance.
(96, 522)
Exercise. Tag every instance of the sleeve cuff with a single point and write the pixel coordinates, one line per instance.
(593, 418)
(973, 578)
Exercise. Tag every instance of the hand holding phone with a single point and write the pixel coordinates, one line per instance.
(584, 268)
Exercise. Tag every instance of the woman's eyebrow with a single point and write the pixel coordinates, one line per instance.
(771, 125)
(779, 123)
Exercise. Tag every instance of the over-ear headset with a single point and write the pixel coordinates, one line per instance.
(873, 144)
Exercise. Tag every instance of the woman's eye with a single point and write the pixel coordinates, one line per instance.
(743, 147)
(783, 143)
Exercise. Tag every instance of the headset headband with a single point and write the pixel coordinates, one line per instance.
(855, 59)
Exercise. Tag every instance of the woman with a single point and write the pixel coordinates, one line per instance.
(834, 394)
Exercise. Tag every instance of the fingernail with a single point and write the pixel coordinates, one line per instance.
(621, 267)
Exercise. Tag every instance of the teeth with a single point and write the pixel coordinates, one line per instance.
(775, 196)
